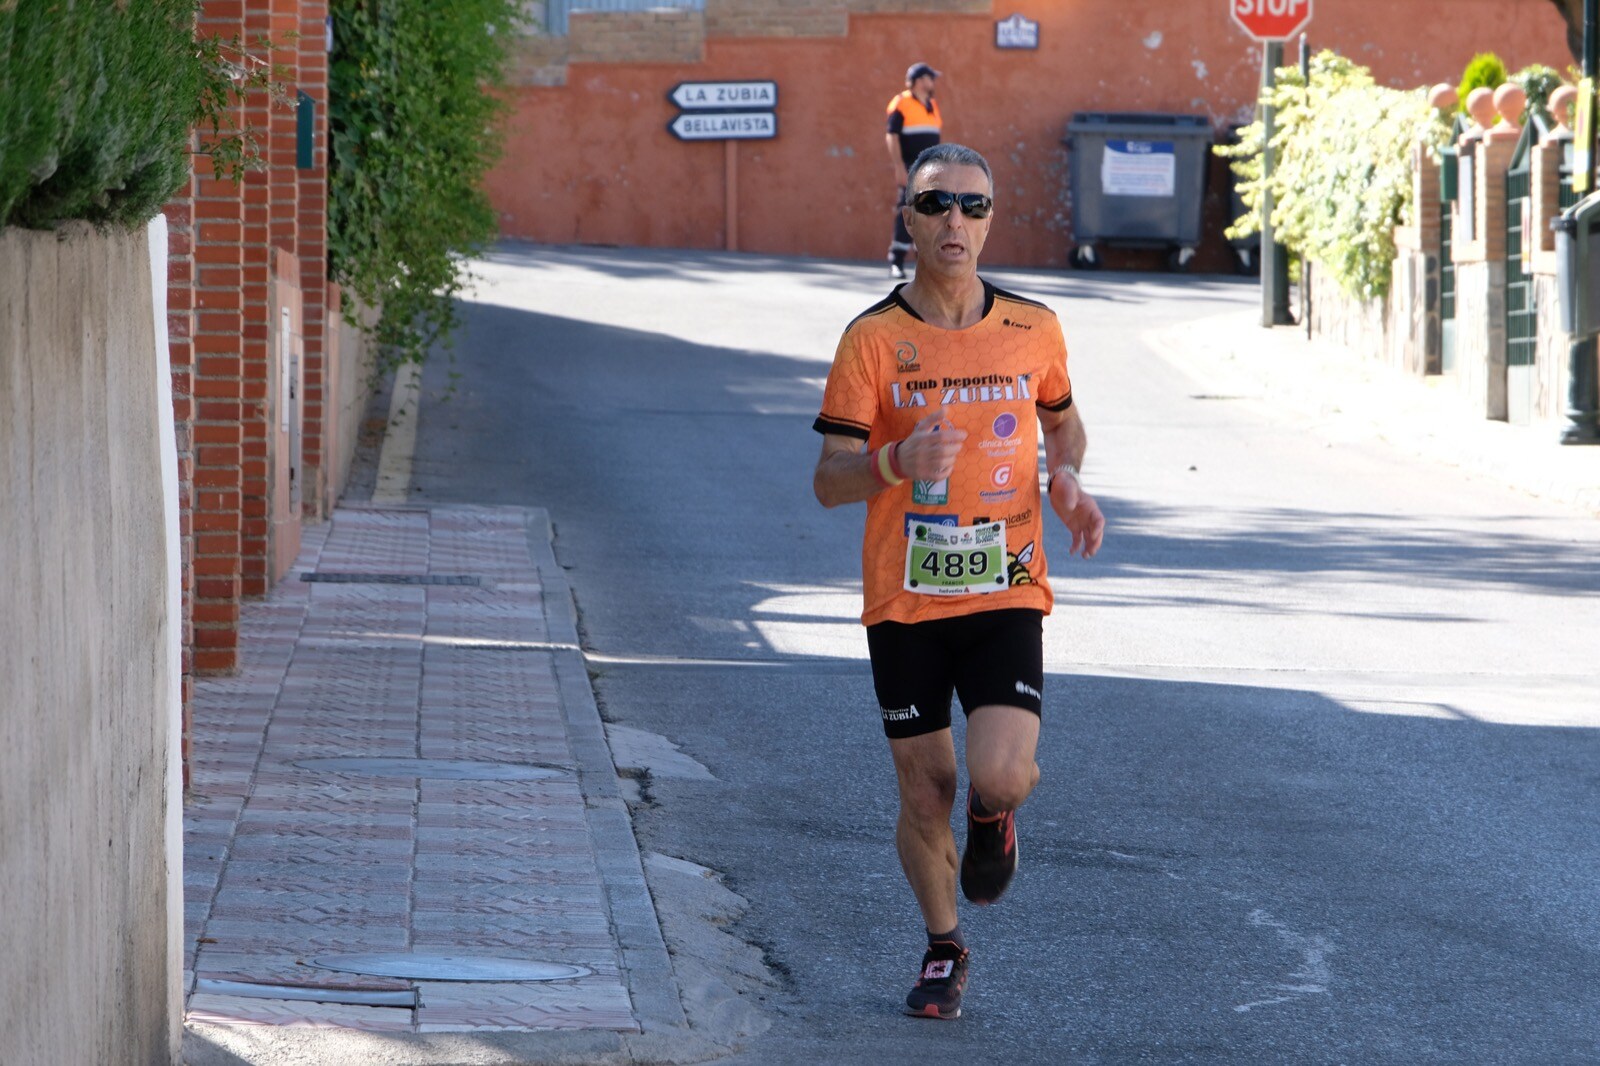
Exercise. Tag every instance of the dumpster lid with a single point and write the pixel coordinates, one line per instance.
(1154, 121)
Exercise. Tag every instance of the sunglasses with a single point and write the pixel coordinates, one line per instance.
(937, 202)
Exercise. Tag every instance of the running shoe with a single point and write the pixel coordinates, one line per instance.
(991, 856)
(937, 993)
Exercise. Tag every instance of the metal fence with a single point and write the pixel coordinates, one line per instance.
(556, 11)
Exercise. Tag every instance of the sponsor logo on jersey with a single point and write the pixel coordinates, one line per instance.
(997, 495)
(1005, 425)
(902, 714)
(1001, 475)
(951, 392)
(905, 353)
(1014, 324)
(1017, 565)
(931, 519)
(1028, 690)
(931, 492)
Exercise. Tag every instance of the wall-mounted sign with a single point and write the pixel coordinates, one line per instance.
(729, 126)
(1016, 32)
(725, 95)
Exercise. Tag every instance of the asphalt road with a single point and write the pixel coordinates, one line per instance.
(1321, 761)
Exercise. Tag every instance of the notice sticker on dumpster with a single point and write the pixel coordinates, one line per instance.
(1139, 168)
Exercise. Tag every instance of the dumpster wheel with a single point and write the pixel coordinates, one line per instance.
(1084, 257)
(1180, 259)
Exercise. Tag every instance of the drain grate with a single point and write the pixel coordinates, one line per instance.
(451, 967)
(354, 997)
(336, 577)
(446, 769)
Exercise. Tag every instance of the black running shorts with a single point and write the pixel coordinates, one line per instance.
(987, 657)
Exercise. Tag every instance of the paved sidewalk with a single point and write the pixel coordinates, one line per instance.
(1343, 396)
(441, 634)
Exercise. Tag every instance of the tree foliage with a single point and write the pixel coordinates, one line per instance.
(412, 120)
(1342, 168)
(1485, 71)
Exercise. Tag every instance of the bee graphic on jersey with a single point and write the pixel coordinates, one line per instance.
(1017, 565)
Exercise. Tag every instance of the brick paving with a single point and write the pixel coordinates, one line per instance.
(287, 864)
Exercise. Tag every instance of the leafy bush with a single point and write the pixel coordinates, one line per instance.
(1485, 71)
(412, 113)
(1538, 82)
(1342, 168)
(97, 103)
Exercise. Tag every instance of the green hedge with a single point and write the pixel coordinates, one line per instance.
(1343, 173)
(412, 115)
(97, 100)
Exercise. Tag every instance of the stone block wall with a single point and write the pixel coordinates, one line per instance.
(1481, 337)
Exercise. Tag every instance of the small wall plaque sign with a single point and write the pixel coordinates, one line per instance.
(1016, 32)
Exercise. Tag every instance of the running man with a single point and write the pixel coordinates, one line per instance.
(914, 125)
(932, 414)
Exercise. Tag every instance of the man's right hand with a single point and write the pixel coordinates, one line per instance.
(929, 454)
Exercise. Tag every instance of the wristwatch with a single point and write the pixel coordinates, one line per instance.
(1065, 468)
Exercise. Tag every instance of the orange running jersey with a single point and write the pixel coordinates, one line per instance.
(891, 371)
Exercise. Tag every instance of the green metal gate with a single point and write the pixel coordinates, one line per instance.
(1449, 190)
(1522, 318)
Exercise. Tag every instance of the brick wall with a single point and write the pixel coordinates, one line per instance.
(226, 238)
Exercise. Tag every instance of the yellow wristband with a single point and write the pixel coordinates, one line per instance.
(885, 470)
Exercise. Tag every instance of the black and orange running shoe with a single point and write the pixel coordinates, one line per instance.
(937, 993)
(990, 859)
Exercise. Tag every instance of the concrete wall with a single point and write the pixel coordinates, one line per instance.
(87, 654)
(352, 360)
(1401, 329)
(589, 159)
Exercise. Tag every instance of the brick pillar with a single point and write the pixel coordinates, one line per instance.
(256, 189)
(219, 325)
(320, 426)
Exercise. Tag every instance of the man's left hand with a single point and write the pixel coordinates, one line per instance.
(1081, 515)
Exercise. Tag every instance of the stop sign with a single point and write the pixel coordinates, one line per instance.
(1271, 20)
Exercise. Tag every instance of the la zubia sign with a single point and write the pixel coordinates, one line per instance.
(1271, 20)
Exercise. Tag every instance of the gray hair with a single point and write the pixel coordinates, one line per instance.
(955, 155)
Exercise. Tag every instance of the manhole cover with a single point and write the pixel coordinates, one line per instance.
(451, 967)
(448, 769)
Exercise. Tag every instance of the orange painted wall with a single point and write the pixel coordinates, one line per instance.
(592, 162)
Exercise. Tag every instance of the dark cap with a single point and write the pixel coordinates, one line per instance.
(917, 70)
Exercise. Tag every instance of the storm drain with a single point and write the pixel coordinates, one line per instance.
(354, 997)
(444, 769)
(450, 967)
(338, 578)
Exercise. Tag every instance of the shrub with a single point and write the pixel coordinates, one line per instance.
(412, 113)
(97, 103)
(1343, 171)
(1538, 82)
(1485, 71)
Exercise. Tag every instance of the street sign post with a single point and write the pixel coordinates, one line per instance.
(730, 112)
(1271, 20)
(725, 95)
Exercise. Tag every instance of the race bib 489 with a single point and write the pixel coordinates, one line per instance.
(956, 560)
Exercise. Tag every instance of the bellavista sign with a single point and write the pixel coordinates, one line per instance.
(1271, 20)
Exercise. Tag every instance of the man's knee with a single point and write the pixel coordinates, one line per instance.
(1004, 788)
(928, 797)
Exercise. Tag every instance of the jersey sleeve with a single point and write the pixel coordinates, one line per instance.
(1055, 388)
(850, 398)
(897, 118)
